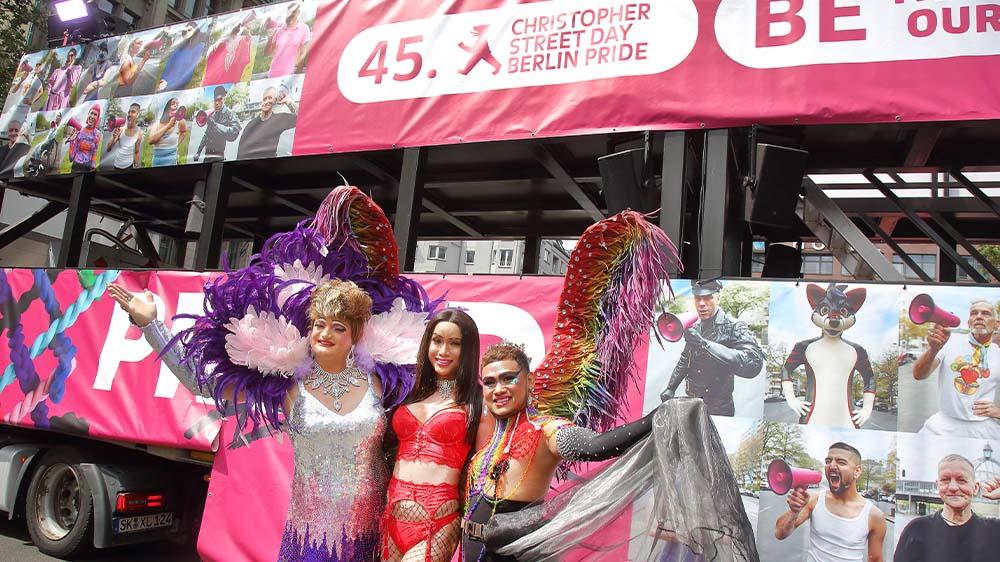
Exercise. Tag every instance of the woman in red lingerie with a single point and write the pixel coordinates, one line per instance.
(436, 426)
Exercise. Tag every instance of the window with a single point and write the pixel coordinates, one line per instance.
(436, 252)
(506, 258)
(470, 257)
(545, 256)
(961, 275)
(757, 262)
(817, 264)
(926, 262)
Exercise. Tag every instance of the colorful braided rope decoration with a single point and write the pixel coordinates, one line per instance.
(616, 274)
(22, 367)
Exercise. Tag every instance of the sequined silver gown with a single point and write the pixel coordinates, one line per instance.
(340, 480)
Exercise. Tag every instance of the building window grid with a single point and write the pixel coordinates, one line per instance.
(926, 262)
(470, 257)
(817, 264)
(506, 258)
(437, 253)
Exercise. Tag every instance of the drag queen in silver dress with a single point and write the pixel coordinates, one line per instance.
(332, 384)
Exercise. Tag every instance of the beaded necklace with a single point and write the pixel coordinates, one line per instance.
(517, 439)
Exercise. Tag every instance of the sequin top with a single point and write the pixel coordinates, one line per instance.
(340, 480)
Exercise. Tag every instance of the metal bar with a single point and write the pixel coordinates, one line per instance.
(839, 222)
(714, 205)
(408, 203)
(957, 237)
(921, 146)
(145, 244)
(545, 157)
(448, 217)
(286, 202)
(896, 248)
(16, 230)
(76, 221)
(922, 225)
(990, 203)
(532, 251)
(217, 186)
(673, 195)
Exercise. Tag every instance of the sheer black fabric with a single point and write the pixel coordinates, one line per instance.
(672, 494)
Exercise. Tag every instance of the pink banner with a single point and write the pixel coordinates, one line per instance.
(427, 73)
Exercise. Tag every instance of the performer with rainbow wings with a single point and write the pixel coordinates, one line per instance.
(680, 472)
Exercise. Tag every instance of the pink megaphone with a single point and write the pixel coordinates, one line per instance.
(672, 327)
(179, 113)
(250, 17)
(923, 310)
(113, 123)
(202, 117)
(781, 477)
(153, 45)
(74, 123)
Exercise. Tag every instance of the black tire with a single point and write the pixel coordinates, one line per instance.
(59, 506)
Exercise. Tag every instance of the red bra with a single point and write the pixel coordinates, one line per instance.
(439, 440)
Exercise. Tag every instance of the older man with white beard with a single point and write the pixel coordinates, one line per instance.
(842, 523)
(968, 392)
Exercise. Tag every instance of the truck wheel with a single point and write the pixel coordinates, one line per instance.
(60, 509)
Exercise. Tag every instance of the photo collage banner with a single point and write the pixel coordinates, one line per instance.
(226, 87)
(904, 374)
(310, 77)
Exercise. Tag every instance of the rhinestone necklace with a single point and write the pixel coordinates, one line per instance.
(334, 384)
(446, 387)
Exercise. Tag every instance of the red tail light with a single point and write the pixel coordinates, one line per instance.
(138, 501)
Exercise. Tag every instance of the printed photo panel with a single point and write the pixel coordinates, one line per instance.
(230, 54)
(719, 358)
(100, 72)
(63, 76)
(282, 35)
(139, 60)
(950, 391)
(926, 465)
(168, 135)
(185, 46)
(832, 358)
(268, 118)
(215, 123)
(80, 134)
(804, 449)
(124, 130)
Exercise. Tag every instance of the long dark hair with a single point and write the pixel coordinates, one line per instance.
(468, 391)
(164, 115)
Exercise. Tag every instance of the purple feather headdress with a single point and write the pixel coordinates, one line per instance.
(251, 342)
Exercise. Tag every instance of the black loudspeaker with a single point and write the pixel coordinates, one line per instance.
(779, 181)
(625, 186)
(782, 261)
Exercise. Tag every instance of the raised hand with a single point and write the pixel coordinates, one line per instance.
(142, 309)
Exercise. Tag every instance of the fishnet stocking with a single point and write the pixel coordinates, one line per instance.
(443, 542)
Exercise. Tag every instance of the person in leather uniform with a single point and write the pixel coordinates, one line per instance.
(716, 348)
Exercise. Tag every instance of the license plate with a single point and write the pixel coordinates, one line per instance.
(142, 522)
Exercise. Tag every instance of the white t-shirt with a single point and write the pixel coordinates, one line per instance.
(963, 380)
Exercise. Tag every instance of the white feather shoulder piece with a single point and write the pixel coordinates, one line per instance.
(266, 343)
(393, 336)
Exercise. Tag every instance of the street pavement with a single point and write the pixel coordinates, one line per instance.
(15, 546)
(780, 412)
(794, 548)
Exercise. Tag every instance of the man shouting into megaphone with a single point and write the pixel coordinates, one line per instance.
(842, 523)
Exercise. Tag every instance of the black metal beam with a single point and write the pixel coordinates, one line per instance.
(673, 192)
(408, 203)
(921, 146)
(972, 188)
(145, 244)
(532, 251)
(714, 205)
(896, 248)
(921, 224)
(26, 225)
(217, 187)
(71, 247)
(558, 172)
(951, 231)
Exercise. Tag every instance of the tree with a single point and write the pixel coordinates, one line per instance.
(237, 96)
(784, 441)
(17, 16)
(738, 298)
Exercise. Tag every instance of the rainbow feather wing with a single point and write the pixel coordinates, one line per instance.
(348, 216)
(615, 276)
